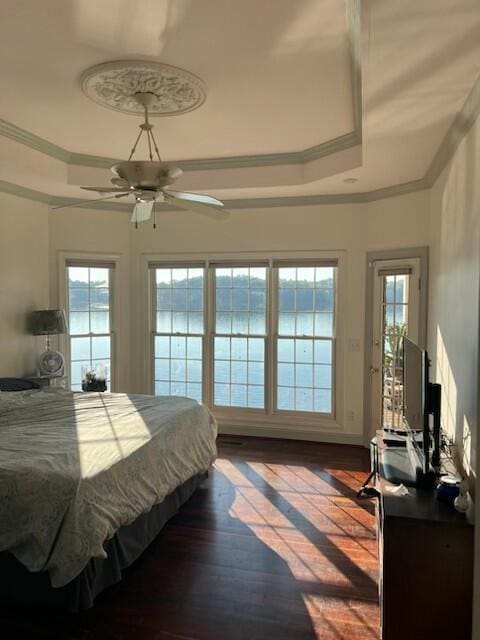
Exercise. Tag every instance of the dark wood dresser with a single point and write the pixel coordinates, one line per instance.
(426, 566)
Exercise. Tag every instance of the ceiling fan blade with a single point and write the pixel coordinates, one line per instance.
(120, 182)
(142, 211)
(79, 202)
(189, 204)
(196, 197)
(106, 189)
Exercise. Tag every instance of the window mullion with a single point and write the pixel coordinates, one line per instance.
(271, 350)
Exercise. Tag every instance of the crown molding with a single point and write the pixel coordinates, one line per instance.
(457, 131)
(235, 204)
(304, 156)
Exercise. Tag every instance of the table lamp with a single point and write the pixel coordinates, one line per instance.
(49, 322)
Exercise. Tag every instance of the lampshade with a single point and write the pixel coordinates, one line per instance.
(48, 322)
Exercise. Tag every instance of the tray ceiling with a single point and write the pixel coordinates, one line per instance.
(286, 82)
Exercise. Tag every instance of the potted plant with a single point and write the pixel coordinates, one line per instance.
(93, 381)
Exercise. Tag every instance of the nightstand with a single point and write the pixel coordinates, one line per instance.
(48, 381)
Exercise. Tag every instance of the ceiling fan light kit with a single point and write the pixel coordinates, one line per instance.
(153, 89)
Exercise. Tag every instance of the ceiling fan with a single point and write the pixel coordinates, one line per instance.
(148, 180)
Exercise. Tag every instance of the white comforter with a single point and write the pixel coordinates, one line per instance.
(76, 467)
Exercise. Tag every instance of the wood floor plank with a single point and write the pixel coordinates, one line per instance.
(274, 546)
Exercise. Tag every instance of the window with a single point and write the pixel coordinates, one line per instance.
(256, 336)
(89, 320)
(306, 310)
(179, 328)
(240, 334)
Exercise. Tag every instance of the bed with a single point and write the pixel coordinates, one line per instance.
(86, 482)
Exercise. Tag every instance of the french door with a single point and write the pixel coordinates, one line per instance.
(396, 306)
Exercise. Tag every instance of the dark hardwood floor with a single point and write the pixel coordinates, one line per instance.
(274, 546)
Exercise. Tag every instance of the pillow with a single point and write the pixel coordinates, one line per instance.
(17, 384)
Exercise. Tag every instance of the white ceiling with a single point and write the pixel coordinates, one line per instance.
(279, 80)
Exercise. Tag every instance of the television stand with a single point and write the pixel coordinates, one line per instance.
(425, 552)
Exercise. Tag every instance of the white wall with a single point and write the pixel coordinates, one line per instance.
(454, 305)
(352, 229)
(24, 281)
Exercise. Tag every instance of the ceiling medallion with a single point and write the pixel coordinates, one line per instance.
(114, 85)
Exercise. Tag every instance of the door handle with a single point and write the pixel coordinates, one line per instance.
(373, 370)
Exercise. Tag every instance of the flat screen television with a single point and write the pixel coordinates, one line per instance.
(421, 410)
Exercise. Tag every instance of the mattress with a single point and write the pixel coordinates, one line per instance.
(74, 468)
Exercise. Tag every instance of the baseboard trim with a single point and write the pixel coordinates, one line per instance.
(313, 435)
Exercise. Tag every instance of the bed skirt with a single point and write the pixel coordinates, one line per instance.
(20, 586)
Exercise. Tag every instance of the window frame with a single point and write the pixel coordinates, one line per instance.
(240, 417)
(90, 260)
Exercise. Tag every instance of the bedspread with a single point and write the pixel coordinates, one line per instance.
(74, 468)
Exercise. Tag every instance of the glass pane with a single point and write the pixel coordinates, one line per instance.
(79, 322)
(286, 300)
(80, 348)
(222, 371)
(325, 276)
(323, 376)
(194, 370)
(180, 278)
(179, 300)
(178, 347)
(390, 288)
(101, 347)
(79, 299)
(164, 299)
(195, 299)
(195, 278)
(76, 369)
(195, 322)
(304, 399)
(162, 347)
(286, 374)
(304, 299)
(323, 401)
(98, 277)
(286, 350)
(239, 395)
(324, 300)
(77, 277)
(99, 299)
(162, 369)
(99, 322)
(238, 372)
(255, 397)
(178, 370)
(194, 391)
(194, 348)
(162, 388)
(163, 277)
(179, 322)
(324, 324)
(286, 398)
(286, 324)
(304, 375)
(323, 351)
(164, 322)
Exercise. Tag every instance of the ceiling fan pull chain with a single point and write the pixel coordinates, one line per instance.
(154, 219)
